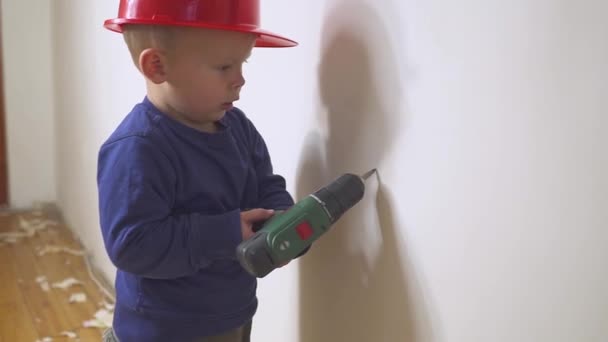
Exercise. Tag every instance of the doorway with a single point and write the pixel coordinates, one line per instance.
(3, 157)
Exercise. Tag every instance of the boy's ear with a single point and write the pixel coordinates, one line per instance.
(152, 63)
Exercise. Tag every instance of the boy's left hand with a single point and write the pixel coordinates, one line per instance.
(250, 217)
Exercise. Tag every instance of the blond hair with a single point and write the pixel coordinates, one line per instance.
(141, 37)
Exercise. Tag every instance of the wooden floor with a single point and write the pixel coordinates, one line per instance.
(27, 312)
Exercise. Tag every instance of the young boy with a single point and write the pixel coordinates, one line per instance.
(178, 176)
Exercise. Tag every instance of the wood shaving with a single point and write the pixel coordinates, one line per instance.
(78, 298)
(103, 319)
(59, 249)
(66, 283)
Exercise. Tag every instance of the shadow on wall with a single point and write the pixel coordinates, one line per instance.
(353, 283)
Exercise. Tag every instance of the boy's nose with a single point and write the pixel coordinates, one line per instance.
(240, 81)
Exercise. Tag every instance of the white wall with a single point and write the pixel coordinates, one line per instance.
(485, 119)
(95, 86)
(26, 45)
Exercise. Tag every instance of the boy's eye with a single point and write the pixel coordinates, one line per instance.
(227, 67)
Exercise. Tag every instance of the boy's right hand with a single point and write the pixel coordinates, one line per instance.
(249, 217)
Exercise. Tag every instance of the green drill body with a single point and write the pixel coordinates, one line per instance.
(288, 233)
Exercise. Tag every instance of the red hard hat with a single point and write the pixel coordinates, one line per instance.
(231, 15)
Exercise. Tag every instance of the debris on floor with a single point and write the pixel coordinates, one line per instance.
(31, 226)
(108, 306)
(36, 224)
(45, 339)
(44, 283)
(10, 237)
(103, 319)
(78, 298)
(66, 283)
(27, 229)
(59, 249)
(69, 334)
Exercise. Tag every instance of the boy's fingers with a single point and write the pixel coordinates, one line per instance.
(258, 214)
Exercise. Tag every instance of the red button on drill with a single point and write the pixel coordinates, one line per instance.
(304, 230)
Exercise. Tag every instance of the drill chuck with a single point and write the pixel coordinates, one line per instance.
(341, 195)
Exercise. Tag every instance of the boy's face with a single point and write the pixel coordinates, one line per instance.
(204, 74)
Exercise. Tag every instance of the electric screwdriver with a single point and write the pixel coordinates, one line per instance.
(287, 234)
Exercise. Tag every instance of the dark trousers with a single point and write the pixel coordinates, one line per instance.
(241, 334)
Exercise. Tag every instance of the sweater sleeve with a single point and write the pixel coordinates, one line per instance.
(271, 187)
(136, 185)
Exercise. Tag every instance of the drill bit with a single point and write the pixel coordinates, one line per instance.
(366, 175)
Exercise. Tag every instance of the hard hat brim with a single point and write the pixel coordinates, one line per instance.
(265, 38)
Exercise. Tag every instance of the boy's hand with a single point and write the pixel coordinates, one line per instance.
(249, 217)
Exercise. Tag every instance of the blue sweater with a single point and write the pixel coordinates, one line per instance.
(170, 199)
